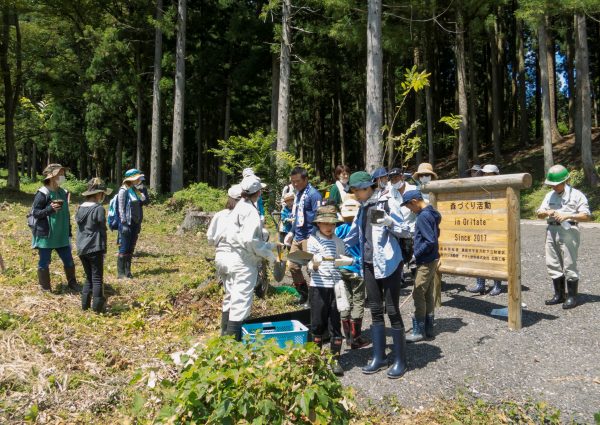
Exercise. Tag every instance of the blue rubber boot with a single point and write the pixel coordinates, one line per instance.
(399, 367)
(418, 331)
(429, 325)
(379, 361)
(497, 289)
(479, 287)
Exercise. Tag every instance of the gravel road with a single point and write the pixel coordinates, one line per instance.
(554, 358)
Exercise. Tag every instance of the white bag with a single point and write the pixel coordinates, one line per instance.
(341, 298)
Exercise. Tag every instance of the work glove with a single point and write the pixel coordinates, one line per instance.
(289, 238)
(344, 261)
(271, 259)
(316, 261)
(385, 221)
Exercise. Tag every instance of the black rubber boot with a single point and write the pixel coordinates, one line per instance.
(302, 289)
(336, 348)
(418, 330)
(571, 301)
(347, 332)
(497, 289)
(128, 266)
(224, 320)
(429, 320)
(234, 329)
(379, 361)
(479, 287)
(86, 295)
(44, 279)
(72, 279)
(318, 340)
(98, 304)
(559, 291)
(358, 341)
(121, 268)
(399, 367)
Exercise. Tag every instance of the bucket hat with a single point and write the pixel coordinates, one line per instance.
(327, 214)
(96, 185)
(52, 170)
(425, 168)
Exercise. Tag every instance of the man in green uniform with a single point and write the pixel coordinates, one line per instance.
(564, 208)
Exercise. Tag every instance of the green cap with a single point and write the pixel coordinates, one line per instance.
(556, 175)
(360, 180)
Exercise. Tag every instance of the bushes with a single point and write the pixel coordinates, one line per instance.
(231, 383)
(201, 196)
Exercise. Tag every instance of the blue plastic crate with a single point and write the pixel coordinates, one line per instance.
(287, 330)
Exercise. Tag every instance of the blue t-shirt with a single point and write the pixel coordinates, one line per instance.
(285, 214)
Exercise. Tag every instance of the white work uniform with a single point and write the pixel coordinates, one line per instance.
(216, 237)
(244, 235)
(562, 241)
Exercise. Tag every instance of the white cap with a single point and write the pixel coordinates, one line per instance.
(252, 184)
(490, 168)
(235, 191)
(247, 172)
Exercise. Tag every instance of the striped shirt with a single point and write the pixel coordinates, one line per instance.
(327, 275)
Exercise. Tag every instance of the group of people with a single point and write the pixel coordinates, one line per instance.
(51, 228)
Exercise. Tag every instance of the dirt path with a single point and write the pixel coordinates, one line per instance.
(554, 358)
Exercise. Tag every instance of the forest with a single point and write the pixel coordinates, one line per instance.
(168, 86)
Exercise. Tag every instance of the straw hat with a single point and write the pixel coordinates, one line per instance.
(425, 168)
(52, 170)
(96, 185)
(327, 214)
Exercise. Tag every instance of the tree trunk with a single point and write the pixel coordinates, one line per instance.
(551, 80)
(140, 114)
(429, 107)
(274, 91)
(473, 107)
(570, 67)
(538, 98)
(155, 150)
(522, 86)
(374, 104)
(283, 103)
(584, 106)
(496, 95)
(11, 92)
(545, 96)
(198, 140)
(461, 80)
(343, 156)
(33, 164)
(178, 110)
(118, 173)
(390, 104)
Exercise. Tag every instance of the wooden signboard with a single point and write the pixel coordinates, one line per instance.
(479, 232)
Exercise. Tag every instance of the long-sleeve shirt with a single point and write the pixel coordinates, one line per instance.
(353, 251)
(245, 233)
(311, 204)
(217, 229)
(427, 232)
(327, 275)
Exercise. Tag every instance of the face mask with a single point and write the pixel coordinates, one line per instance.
(425, 179)
(382, 184)
(344, 180)
(61, 180)
(398, 185)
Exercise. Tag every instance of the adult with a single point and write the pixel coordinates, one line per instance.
(248, 249)
(564, 207)
(487, 170)
(424, 175)
(380, 178)
(305, 207)
(376, 229)
(338, 190)
(131, 198)
(52, 227)
(474, 171)
(260, 204)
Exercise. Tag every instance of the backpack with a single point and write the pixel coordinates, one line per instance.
(113, 218)
(31, 220)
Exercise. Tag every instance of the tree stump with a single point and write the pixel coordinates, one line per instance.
(193, 220)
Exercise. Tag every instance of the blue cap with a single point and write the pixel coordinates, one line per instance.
(395, 172)
(410, 195)
(380, 172)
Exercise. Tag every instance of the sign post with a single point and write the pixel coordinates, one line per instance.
(479, 232)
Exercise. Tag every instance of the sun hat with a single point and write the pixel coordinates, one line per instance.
(425, 168)
(360, 180)
(235, 191)
(132, 175)
(395, 172)
(379, 173)
(247, 172)
(327, 214)
(289, 195)
(350, 207)
(251, 184)
(96, 185)
(490, 168)
(475, 167)
(410, 195)
(52, 170)
(556, 175)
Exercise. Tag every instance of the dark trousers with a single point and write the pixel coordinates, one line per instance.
(93, 264)
(384, 290)
(128, 236)
(323, 312)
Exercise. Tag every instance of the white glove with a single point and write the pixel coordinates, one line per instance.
(289, 238)
(316, 261)
(344, 261)
(385, 221)
(271, 259)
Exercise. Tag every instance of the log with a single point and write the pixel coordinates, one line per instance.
(194, 220)
(473, 184)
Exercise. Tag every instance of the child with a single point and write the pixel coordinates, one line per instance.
(286, 215)
(91, 243)
(353, 281)
(325, 247)
(426, 251)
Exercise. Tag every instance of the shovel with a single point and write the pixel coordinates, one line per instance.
(279, 267)
(302, 258)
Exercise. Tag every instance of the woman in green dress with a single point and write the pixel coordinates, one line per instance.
(52, 226)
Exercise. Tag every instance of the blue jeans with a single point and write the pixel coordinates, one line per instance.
(46, 257)
(128, 236)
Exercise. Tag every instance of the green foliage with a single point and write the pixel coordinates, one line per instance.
(453, 121)
(231, 383)
(201, 196)
(8, 321)
(414, 81)
(75, 186)
(408, 143)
